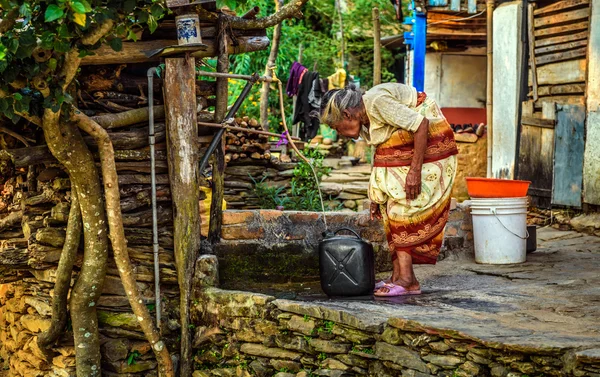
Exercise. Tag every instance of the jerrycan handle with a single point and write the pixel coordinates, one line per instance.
(349, 230)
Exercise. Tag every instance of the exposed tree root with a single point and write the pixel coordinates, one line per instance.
(63, 278)
(119, 244)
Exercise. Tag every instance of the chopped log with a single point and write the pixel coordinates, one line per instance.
(140, 155)
(14, 257)
(134, 52)
(141, 166)
(143, 199)
(136, 85)
(128, 118)
(144, 218)
(143, 237)
(13, 219)
(142, 179)
(40, 154)
(51, 237)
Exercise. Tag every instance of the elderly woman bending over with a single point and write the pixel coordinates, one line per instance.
(413, 173)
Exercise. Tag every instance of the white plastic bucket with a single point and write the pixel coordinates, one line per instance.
(500, 230)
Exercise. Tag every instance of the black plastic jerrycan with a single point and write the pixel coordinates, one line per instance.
(347, 265)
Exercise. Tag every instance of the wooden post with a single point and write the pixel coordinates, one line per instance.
(264, 95)
(182, 132)
(376, 47)
(532, 64)
(218, 171)
(489, 89)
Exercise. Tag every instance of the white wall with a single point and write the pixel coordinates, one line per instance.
(507, 74)
(456, 79)
(591, 164)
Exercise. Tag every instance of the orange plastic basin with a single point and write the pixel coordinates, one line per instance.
(496, 188)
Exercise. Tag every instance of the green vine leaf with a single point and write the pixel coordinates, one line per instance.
(53, 13)
(116, 44)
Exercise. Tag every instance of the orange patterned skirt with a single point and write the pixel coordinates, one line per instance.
(422, 237)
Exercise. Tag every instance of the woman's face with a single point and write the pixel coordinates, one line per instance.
(350, 126)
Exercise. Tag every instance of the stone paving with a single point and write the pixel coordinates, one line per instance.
(551, 302)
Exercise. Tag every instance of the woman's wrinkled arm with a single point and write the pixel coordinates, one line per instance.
(413, 179)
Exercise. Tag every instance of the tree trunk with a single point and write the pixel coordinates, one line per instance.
(218, 172)
(264, 95)
(67, 145)
(119, 244)
(182, 131)
(63, 278)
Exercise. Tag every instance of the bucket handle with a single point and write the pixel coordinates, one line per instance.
(349, 230)
(493, 210)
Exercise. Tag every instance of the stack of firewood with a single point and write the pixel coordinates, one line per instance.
(34, 210)
(241, 145)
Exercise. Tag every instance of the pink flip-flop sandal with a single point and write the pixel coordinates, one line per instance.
(396, 290)
(380, 284)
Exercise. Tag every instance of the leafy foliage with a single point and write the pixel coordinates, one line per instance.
(29, 82)
(304, 193)
(317, 33)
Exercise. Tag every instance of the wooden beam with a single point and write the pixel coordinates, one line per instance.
(561, 47)
(561, 39)
(530, 30)
(133, 52)
(560, 100)
(562, 56)
(538, 122)
(575, 15)
(553, 90)
(566, 72)
(552, 31)
(560, 6)
(182, 130)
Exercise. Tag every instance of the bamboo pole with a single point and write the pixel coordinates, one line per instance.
(376, 47)
(490, 76)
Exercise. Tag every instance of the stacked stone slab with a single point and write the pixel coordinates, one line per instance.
(246, 334)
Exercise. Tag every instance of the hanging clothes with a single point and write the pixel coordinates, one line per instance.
(315, 94)
(302, 113)
(294, 80)
(338, 79)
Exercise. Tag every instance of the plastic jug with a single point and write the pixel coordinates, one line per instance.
(346, 265)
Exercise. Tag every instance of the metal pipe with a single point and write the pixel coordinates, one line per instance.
(242, 129)
(152, 140)
(490, 93)
(219, 135)
(253, 78)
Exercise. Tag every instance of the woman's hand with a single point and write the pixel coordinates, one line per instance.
(375, 211)
(413, 183)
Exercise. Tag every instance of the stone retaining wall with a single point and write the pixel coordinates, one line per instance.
(244, 334)
(281, 246)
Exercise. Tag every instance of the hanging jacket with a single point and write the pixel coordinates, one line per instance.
(314, 96)
(304, 108)
(294, 79)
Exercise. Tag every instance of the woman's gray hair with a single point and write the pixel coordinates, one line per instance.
(336, 101)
